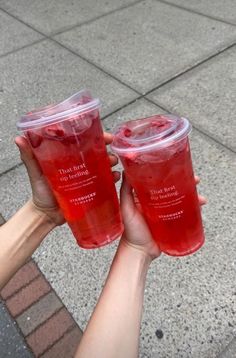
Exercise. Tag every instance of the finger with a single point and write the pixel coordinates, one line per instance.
(126, 197)
(107, 137)
(27, 156)
(116, 176)
(202, 200)
(113, 159)
(197, 179)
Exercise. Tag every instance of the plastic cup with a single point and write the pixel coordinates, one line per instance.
(67, 140)
(157, 161)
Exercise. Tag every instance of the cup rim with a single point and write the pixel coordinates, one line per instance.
(65, 108)
(171, 139)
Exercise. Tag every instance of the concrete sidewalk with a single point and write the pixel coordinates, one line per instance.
(140, 58)
(11, 342)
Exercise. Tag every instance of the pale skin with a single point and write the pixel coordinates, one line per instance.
(113, 329)
(24, 232)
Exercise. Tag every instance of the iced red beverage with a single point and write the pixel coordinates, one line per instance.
(67, 140)
(156, 157)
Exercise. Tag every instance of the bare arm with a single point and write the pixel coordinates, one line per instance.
(20, 237)
(113, 330)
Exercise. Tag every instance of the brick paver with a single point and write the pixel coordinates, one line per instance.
(66, 347)
(27, 296)
(39, 313)
(50, 332)
(24, 276)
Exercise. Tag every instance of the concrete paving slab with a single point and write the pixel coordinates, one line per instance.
(139, 109)
(149, 43)
(53, 16)
(229, 351)
(207, 96)
(11, 342)
(223, 10)
(190, 302)
(2, 221)
(14, 35)
(43, 74)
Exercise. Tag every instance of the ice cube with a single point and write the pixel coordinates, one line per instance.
(54, 132)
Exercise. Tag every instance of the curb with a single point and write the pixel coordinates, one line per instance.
(48, 328)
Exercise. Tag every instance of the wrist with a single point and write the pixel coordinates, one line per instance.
(30, 225)
(129, 270)
(40, 213)
(135, 251)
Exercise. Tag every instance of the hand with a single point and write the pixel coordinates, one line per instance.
(42, 196)
(137, 233)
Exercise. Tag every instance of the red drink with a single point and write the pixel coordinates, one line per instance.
(156, 157)
(72, 154)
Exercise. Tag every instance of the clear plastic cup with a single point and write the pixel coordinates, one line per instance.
(157, 161)
(67, 140)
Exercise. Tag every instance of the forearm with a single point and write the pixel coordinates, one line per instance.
(20, 237)
(114, 328)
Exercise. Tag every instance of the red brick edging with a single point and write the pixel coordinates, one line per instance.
(47, 326)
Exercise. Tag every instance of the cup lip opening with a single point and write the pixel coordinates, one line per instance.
(181, 134)
(27, 122)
